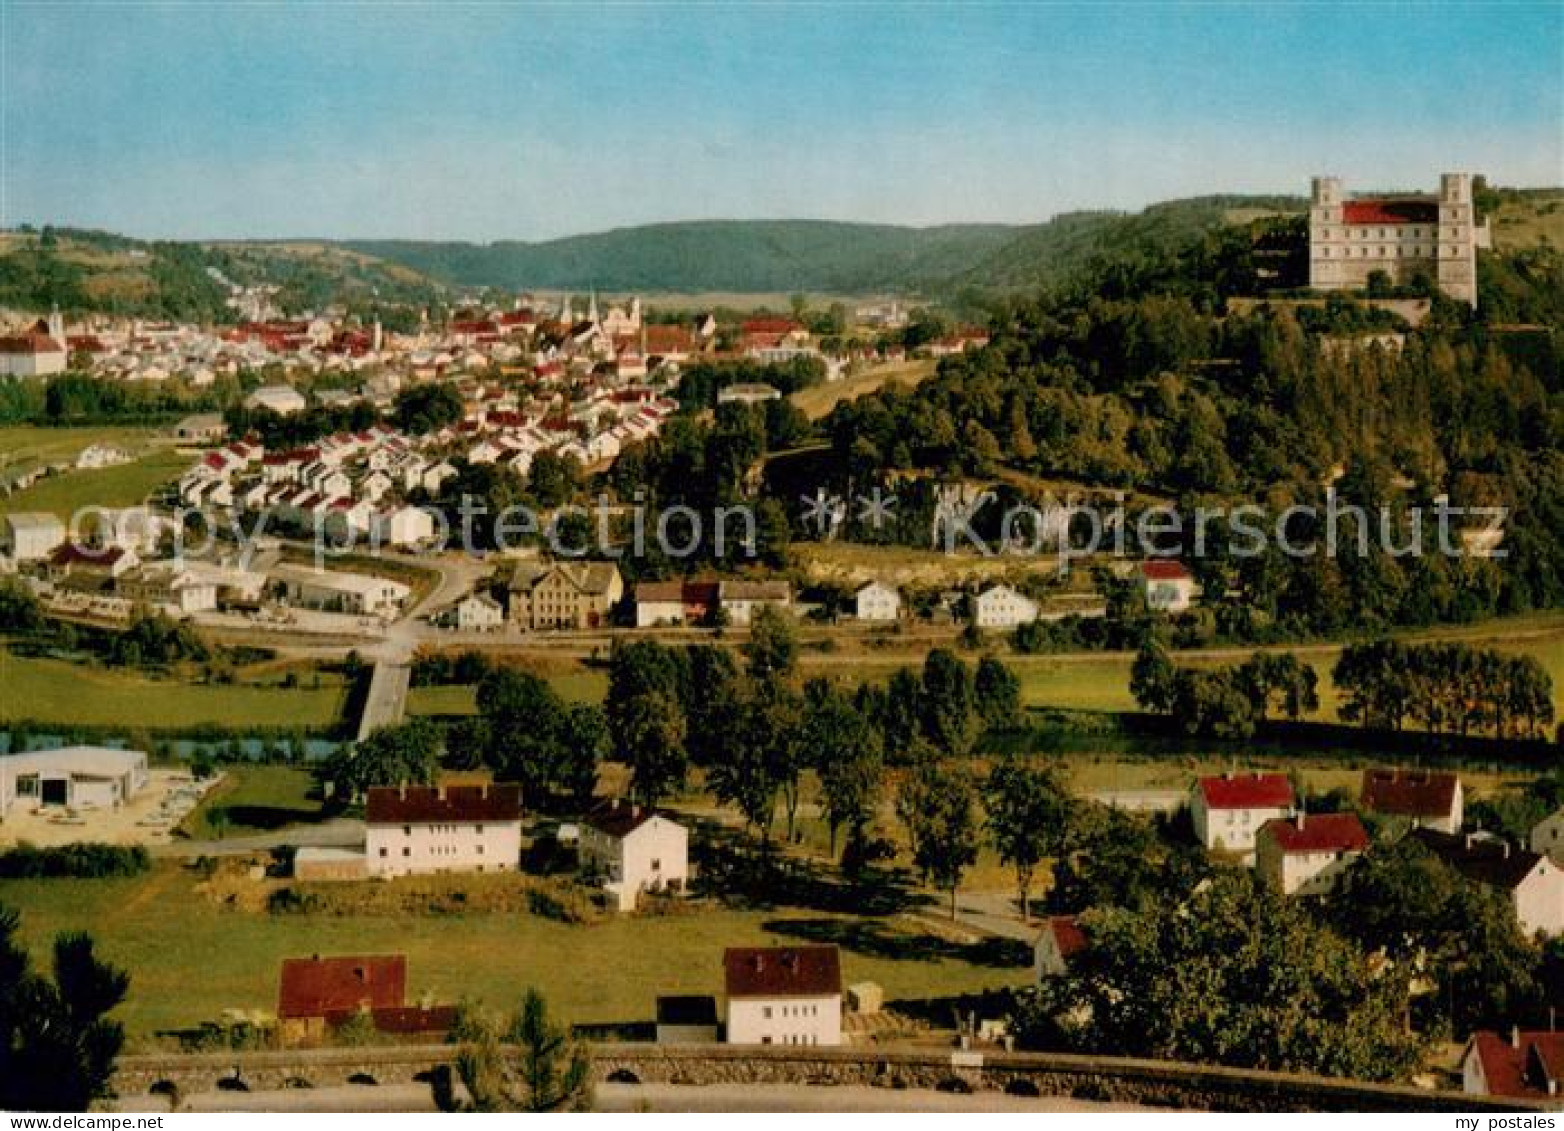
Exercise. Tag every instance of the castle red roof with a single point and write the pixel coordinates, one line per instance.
(318, 987)
(1318, 832)
(1409, 793)
(782, 971)
(420, 803)
(1390, 212)
(1247, 791)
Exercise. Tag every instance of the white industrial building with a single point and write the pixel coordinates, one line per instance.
(338, 592)
(78, 777)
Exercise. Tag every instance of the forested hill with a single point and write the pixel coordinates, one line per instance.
(810, 255)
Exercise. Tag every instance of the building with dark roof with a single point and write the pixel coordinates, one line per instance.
(1061, 940)
(316, 995)
(687, 1019)
(783, 995)
(427, 829)
(1533, 883)
(1429, 799)
(634, 849)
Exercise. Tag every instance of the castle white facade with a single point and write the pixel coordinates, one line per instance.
(1350, 239)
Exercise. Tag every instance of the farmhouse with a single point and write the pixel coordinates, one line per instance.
(1229, 810)
(783, 995)
(476, 612)
(316, 995)
(79, 777)
(676, 602)
(1307, 854)
(1426, 798)
(635, 850)
(1168, 586)
(418, 830)
(1533, 883)
(741, 599)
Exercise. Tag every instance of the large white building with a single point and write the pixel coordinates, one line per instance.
(75, 776)
(783, 995)
(39, 352)
(30, 536)
(1401, 236)
(418, 830)
(635, 850)
(338, 592)
(877, 602)
(282, 399)
(1002, 607)
(1229, 810)
(1307, 854)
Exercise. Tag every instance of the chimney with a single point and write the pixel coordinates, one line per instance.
(1468, 841)
(1298, 819)
(635, 810)
(1515, 1036)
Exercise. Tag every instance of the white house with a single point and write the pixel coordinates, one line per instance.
(30, 535)
(75, 776)
(1000, 606)
(1307, 854)
(1429, 799)
(477, 612)
(1547, 839)
(635, 850)
(741, 599)
(1533, 884)
(877, 601)
(405, 526)
(1062, 939)
(783, 995)
(419, 830)
(1168, 586)
(1229, 810)
(283, 399)
(338, 592)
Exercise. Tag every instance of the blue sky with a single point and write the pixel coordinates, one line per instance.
(508, 121)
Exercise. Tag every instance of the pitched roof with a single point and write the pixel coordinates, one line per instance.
(660, 592)
(1318, 832)
(1522, 1066)
(1390, 212)
(403, 1019)
(619, 819)
(782, 971)
(757, 591)
(394, 804)
(1068, 936)
(1247, 791)
(316, 987)
(1163, 569)
(1409, 793)
(1481, 859)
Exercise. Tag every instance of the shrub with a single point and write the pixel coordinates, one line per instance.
(73, 861)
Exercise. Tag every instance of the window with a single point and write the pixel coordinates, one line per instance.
(480, 850)
(407, 830)
(765, 1012)
(382, 853)
(407, 852)
(657, 865)
(480, 832)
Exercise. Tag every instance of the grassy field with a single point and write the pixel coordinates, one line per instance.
(122, 486)
(24, 445)
(255, 799)
(821, 399)
(190, 958)
(58, 691)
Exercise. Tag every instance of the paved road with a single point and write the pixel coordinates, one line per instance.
(642, 1097)
(339, 832)
(386, 699)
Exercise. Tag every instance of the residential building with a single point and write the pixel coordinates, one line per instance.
(202, 428)
(1547, 839)
(337, 591)
(1000, 606)
(477, 612)
(1061, 940)
(741, 599)
(27, 536)
(1429, 799)
(687, 1019)
(1526, 1065)
(1533, 884)
(1307, 854)
(1228, 810)
(635, 850)
(404, 526)
(39, 352)
(282, 399)
(165, 584)
(877, 602)
(418, 830)
(1403, 237)
(87, 567)
(748, 393)
(77, 777)
(783, 995)
(564, 595)
(1168, 585)
(317, 995)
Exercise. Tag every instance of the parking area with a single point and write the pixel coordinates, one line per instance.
(148, 818)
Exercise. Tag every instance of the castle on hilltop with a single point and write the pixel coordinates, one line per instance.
(1402, 236)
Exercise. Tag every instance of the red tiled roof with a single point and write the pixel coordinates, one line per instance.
(405, 1019)
(1409, 793)
(1068, 935)
(72, 553)
(1164, 569)
(392, 804)
(317, 987)
(31, 342)
(1390, 212)
(1520, 1068)
(1247, 791)
(1320, 832)
(770, 326)
(778, 971)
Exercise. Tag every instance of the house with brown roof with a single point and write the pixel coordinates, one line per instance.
(1428, 799)
(781, 995)
(1533, 884)
(317, 995)
(420, 830)
(1061, 940)
(676, 602)
(634, 849)
(563, 595)
(1307, 854)
(1230, 808)
(1522, 1066)
(742, 599)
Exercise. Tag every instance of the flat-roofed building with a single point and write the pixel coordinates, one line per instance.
(75, 777)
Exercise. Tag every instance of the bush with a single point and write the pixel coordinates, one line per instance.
(563, 906)
(73, 861)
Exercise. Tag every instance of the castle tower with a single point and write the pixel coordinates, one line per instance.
(1327, 237)
(57, 326)
(1457, 238)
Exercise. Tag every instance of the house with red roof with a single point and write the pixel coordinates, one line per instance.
(1229, 809)
(317, 995)
(1061, 940)
(1428, 799)
(1168, 585)
(1308, 853)
(783, 995)
(1526, 1065)
(422, 830)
